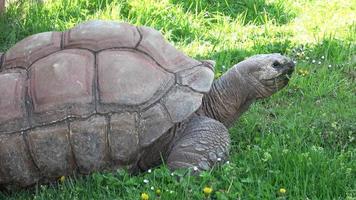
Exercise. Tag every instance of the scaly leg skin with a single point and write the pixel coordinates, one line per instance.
(202, 144)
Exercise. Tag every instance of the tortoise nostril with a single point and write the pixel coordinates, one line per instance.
(290, 68)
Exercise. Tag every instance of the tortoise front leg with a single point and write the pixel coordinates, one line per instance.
(203, 143)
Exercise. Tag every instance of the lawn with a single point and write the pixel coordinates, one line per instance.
(298, 144)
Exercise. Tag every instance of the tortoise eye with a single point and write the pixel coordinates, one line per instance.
(276, 64)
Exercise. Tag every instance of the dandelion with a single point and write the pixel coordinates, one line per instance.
(303, 72)
(282, 190)
(144, 196)
(158, 192)
(218, 74)
(207, 191)
(62, 179)
(146, 181)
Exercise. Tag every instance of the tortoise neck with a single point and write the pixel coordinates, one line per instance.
(229, 97)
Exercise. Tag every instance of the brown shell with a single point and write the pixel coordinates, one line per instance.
(91, 98)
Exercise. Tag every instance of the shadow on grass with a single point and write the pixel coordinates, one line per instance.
(24, 18)
(252, 11)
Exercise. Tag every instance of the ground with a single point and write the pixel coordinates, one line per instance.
(299, 144)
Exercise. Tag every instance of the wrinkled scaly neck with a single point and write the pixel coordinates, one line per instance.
(229, 97)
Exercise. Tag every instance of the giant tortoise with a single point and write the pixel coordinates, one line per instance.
(106, 95)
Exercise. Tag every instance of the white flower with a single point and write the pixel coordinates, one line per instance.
(219, 159)
(149, 170)
(195, 168)
(171, 191)
(172, 174)
(295, 62)
(307, 58)
(329, 65)
(319, 62)
(146, 181)
(227, 162)
(322, 57)
(313, 61)
(152, 188)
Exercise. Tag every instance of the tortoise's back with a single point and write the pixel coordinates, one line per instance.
(91, 98)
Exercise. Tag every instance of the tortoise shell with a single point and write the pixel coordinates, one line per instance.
(97, 92)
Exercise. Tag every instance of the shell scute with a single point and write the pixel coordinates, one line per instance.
(154, 122)
(32, 48)
(62, 84)
(181, 102)
(123, 137)
(154, 44)
(16, 165)
(129, 78)
(98, 34)
(12, 101)
(198, 78)
(89, 143)
(51, 151)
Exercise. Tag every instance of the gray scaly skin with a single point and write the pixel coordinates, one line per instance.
(255, 78)
(205, 140)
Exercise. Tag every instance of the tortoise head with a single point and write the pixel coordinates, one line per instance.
(266, 73)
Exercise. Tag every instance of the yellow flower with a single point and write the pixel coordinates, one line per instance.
(303, 72)
(207, 190)
(218, 74)
(144, 196)
(282, 190)
(62, 179)
(158, 192)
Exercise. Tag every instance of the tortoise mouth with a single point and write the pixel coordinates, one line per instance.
(281, 79)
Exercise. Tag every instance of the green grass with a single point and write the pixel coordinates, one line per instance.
(302, 139)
